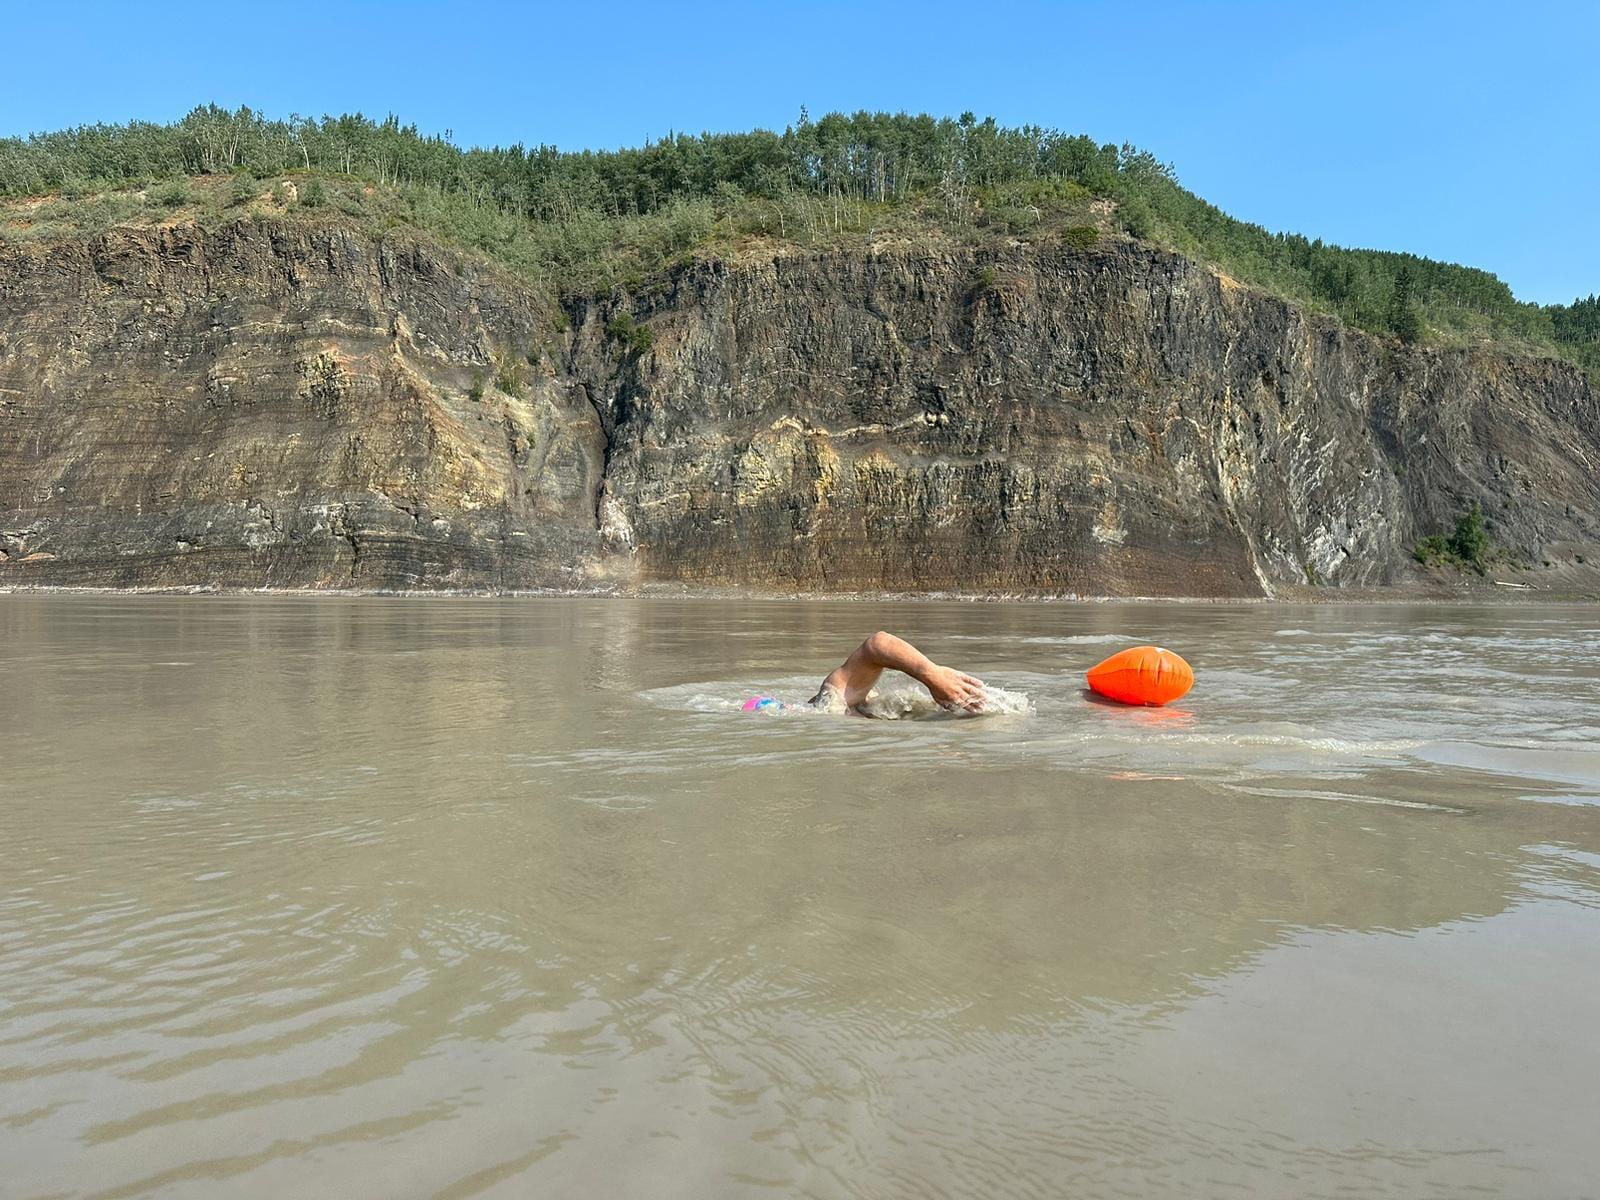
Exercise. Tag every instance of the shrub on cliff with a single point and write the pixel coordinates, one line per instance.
(243, 190)
(1470, 541)
(1467, 547)
(636, 339)
(510, 373)
(1081, 237)
(172, 194)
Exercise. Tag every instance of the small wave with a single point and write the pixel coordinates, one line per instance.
(902, 702)
(1342, 797)
(1081, 639)
(1290, 736)
(1549, 763)
(897, 701)
(729, 695)
(1157, 726)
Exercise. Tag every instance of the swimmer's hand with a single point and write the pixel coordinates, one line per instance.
(953, 689)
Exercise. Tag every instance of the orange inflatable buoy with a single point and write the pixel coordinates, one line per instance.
(1142, 675)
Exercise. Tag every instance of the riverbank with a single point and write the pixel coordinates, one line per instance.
(1487, 592)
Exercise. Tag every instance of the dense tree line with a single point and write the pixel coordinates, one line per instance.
(1577, 325)
(868, 156)
(957, 165)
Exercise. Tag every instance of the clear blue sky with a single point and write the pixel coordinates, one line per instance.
(1464, 131)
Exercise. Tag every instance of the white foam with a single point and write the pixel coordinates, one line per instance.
(1082, 639)
(907, 701)
(891, 701)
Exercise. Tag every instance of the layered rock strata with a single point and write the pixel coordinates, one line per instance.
(281, 405)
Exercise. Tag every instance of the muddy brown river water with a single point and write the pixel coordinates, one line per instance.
(505, 898)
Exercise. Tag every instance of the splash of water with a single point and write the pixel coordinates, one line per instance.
(908, 702)
(897, 701)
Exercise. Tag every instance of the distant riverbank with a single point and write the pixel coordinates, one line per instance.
(1484, 592)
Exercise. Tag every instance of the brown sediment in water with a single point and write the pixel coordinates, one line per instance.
(386, 897)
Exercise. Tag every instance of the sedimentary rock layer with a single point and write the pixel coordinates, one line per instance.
(282, 405)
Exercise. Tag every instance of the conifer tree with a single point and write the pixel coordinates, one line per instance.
(1404, 321)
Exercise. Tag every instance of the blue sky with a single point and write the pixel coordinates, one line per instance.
(1466, 131)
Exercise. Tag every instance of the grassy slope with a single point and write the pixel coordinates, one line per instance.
(586, 253)
(592, 252)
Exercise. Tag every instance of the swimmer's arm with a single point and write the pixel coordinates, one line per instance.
(883, 651)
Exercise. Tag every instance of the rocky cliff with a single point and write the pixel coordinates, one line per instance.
(288, 405)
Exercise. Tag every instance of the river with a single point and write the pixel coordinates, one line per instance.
(372, 897)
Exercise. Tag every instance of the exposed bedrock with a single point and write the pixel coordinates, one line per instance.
(281, 406)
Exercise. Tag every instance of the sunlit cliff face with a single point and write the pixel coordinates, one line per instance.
(293, 407)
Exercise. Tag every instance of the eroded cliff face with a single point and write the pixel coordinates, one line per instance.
(269, 405)
(276, 406)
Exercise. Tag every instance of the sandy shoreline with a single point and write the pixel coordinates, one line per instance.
(1488, 593)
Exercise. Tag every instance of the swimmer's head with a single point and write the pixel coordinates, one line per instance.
(760, 703)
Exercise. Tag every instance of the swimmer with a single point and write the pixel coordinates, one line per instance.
(848, 684)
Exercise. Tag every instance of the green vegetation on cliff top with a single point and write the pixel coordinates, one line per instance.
(592, 220)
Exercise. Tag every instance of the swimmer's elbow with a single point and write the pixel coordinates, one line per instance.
(880, 643)
(884, 649)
